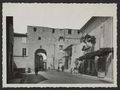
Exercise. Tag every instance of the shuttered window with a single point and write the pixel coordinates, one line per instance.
(23, 52)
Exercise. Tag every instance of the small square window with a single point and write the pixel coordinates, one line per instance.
(69, 31)
(34, 29)
(39, 38)
(60, 47)
(53, 31)
(40, 46)
(78, 31)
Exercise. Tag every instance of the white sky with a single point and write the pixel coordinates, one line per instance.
(72, 16)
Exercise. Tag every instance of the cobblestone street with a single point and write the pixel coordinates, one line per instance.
(68, 78)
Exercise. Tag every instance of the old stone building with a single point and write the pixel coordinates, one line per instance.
(102, 29)
(20, 51)
(98, 59)
(62, 46)
(53, 41)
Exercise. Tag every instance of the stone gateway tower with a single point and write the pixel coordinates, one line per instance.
(50, 43)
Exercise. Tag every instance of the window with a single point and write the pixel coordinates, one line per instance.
(60, 47)
(34, 29)
(78, 31)
(40, 46)
(69, 31)
(53, 31)
(39, 38)
(23, 52)
(61, 38)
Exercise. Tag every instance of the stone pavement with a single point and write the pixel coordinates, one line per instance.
(28, 78)
(68, 78)
(55, 77)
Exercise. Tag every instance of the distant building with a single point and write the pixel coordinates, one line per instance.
(68, 59)
(20, 52)
(76, 53)
(53, 41)
(9, 43)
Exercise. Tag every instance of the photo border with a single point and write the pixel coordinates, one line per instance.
(116, 48)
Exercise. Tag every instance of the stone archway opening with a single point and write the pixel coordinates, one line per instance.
(40, 60)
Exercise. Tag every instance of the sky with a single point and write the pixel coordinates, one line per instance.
(72, 16)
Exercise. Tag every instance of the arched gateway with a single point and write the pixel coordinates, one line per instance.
(40, 60)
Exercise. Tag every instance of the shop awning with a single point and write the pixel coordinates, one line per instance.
(100, 52)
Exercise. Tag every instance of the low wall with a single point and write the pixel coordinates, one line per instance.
(21, 62)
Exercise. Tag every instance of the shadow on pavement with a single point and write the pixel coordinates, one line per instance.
(28, 79)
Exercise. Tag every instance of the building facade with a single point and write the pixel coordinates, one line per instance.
(102, 29)
(53, 41)
(94, 54)
(20, 51)
(98, 60)
(76, 53)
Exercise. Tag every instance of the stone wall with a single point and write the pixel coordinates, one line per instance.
(50, 42)
(19, 59)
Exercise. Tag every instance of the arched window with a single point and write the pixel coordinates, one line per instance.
(61, 38)
(60, 47)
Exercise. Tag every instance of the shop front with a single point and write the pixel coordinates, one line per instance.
(96, 67)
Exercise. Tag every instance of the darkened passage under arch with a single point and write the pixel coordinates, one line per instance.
(40, 65)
